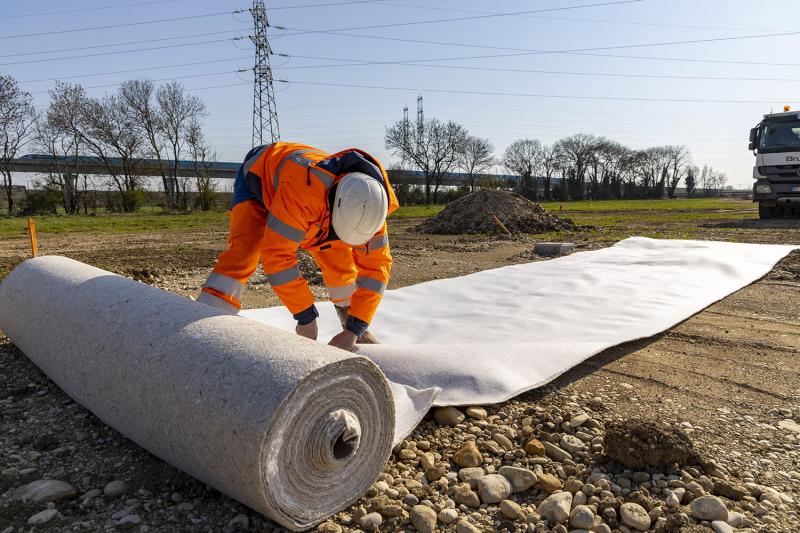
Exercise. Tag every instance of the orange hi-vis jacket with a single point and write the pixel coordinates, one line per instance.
(282, 201)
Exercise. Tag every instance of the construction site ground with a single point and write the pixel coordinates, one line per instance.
(728, 375)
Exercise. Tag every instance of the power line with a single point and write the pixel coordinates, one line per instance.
(461, 19)
(84, 10)
(533, 95)
(573, 19)
(126, 43)
(423, 63)
(327, 4)
(128, 71)
(579, 51)
(174, 78)
(98, 54)
(122, 25)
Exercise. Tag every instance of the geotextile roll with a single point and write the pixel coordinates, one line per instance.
(294, 429)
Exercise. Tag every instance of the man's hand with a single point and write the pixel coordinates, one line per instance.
(309, 331)
(346, 340)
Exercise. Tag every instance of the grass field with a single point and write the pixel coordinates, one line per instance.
(612, 213)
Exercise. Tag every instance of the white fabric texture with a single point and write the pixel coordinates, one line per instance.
(488, 336)
(291, 428)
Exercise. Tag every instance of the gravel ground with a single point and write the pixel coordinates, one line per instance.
(714, 401)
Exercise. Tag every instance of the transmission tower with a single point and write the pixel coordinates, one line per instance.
(265, 113)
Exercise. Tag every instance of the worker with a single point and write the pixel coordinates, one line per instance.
(288, 196)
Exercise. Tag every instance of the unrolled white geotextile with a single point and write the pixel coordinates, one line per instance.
(486, 337)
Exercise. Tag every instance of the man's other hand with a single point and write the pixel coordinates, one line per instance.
(309, 331)
(346, 340)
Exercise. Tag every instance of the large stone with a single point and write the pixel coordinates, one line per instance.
(572, 444)
(448, 416)
(423, 518)
(468, 455)
(115, 489)
(45, 490)
(371, 521)
(635, 516)
(511, 509)
(464, 495)
(521, 479)
(471, 476)
(465, 527)
(555, 508)
(789, 424)
(721, 527)
(708, 508)
(581, 517)
(493, 488)
(535, 447)
(42, 517)
(555, 453)
(549, 482)
(730, 489)
(448, 516)
(478, 413)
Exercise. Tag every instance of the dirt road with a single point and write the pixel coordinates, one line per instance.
(729, 376)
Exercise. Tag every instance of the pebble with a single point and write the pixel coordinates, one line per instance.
(572, 444)
(471, 476)
(240, 521)
(511, 509)
(423, 518)
(42, 517)
(448, 516)
(673, 500)
(371, 521)
(735, 519)
(555, 453)
(493, 488)
(535, 447)
(329, 527)
(549, 482)
(464, 495)
(581, 517)
(478, 413)
(465, 527)
(45, 490)
(721, 527)
(635, 516)
(129, 521)
(708, 508)
(555, 508)
(468, 455)
(521, 479)
(503, 441)
(578, 420)
(448, 416)
(115, 489)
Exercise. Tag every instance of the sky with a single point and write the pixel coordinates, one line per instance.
(651, 96)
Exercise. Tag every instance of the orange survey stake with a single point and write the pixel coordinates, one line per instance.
(32, 234)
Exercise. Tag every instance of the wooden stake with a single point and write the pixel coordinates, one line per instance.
(34, 239)
(497, 221)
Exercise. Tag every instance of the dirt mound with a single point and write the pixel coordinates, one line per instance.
(639, 445)
(476, 213)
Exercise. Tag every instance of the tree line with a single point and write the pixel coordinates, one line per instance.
(578, 167)
(118, 131)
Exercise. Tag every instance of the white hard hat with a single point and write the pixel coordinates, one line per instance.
(359, 208)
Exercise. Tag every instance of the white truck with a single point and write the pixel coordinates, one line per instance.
(775, 142)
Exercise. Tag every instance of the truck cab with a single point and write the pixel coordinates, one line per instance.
(775, 141)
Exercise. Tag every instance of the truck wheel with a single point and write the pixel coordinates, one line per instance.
(765, 212)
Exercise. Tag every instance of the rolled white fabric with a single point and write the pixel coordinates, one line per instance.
(294, 429)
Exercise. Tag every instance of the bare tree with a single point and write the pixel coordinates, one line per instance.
(577, 154)
(17, 118)
(525, 157)
(476, 156)
(202, 159)
(433, 148)
(179, 112)
(139, 95)
(680, 161)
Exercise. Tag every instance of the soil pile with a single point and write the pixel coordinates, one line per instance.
(648, 444)
(480, 212)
